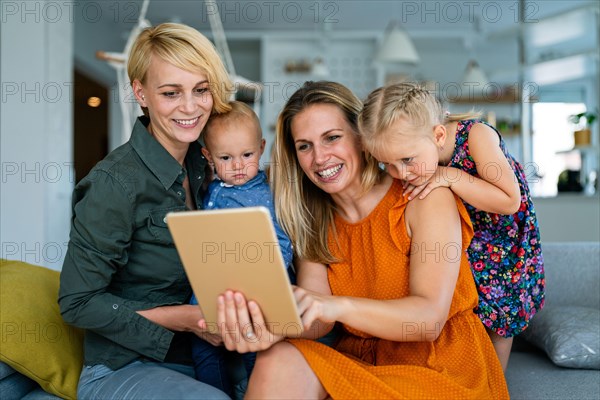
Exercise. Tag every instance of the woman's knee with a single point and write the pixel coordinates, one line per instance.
(282, 370)
(278, 362)
(280, 351)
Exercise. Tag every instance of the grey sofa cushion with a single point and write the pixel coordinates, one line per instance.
(572, 280)
(531, 375)
(570, 335)
(572, 274)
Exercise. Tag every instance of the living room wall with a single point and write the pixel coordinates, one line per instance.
(36, 64)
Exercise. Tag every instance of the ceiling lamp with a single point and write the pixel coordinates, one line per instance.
(319, 69)
(474, 76)
(397, 47)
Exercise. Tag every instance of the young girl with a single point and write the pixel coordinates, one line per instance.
(405, 128)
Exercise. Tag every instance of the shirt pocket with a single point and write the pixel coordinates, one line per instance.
(157, 224)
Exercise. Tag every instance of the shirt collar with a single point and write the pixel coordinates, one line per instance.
(159, 160)
(259, 179)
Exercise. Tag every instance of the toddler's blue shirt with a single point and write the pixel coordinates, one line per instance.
(255, 192)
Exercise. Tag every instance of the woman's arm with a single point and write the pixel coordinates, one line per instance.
(436, 252)
(98, 248)
(497, 189)
(312, 279)
(182, 318)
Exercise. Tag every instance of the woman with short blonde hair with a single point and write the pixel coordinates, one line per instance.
(122, 279)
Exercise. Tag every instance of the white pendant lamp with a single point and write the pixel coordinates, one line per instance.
(397, 47)
(319, 69)
(474, 75)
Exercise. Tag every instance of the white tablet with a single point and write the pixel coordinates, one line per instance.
(236, 249)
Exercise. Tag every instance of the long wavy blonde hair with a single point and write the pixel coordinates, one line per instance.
(306, 212)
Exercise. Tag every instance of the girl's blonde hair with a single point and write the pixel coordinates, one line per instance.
(306, 212)
(417, 107)
(185, 48)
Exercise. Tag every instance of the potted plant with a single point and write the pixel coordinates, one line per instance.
(583, 121)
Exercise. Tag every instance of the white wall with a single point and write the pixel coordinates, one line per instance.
(36, 131)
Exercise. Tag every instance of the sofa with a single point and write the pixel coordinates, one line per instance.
(557, 357)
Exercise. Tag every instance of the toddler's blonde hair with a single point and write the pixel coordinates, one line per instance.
(240, 113)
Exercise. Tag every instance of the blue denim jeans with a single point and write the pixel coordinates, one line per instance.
(210, 365)
(144, 380)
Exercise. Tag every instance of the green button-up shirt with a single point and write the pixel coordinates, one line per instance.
(121, 257)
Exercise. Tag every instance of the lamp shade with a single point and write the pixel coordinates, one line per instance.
(397, 48)
(475, 76)
(319, 69)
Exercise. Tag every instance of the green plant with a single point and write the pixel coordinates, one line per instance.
(584, 119)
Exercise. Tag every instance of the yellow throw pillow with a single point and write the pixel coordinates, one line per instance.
(35, 340)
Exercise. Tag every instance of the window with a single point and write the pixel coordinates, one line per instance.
(552, 140)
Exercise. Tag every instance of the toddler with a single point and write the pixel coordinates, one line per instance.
(233, 146)
(405, 128)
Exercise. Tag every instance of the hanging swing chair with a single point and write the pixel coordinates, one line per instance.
(244, 89)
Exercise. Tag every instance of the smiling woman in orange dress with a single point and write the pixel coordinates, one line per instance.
(392, 273)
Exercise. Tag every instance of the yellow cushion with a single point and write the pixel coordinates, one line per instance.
(35, 340)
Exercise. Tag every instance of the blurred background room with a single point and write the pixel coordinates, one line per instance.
(530, 66)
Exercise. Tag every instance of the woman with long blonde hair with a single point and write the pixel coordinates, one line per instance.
(392, 273)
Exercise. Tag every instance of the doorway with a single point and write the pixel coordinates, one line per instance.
(90, 123)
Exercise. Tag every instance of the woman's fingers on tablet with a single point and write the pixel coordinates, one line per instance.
(306, 307)
(242, 324)
(311, 311)
(256, 313)
(245, 324)
(258, 322)
(228, 320)
(265, 338)
(221, 321)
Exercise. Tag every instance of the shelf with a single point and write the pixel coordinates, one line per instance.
(580, 149)
(510, 132)
(507, 97)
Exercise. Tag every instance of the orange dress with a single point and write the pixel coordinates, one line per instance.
(460, 364)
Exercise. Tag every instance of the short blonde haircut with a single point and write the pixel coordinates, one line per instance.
(306, 212)
(239, 113)
(185, 48)
(415, 106)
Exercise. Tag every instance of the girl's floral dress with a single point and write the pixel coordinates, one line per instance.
(505, 253)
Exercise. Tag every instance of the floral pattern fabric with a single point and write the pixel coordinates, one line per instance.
(505, 253)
